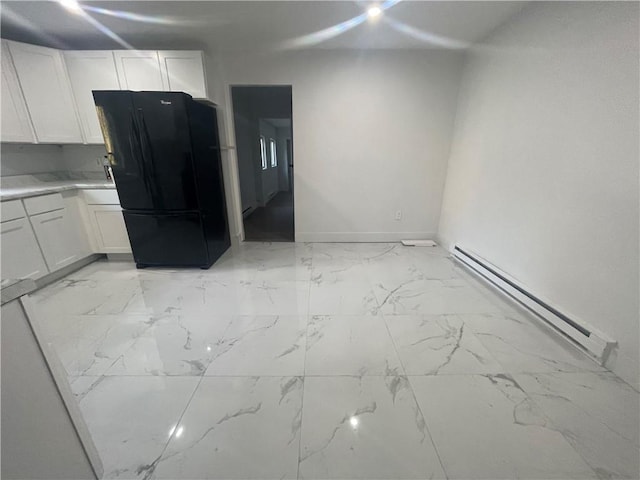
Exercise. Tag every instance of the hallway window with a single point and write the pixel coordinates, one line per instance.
(274, 158)
(263, 153)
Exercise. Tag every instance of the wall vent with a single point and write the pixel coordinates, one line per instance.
(592, 340)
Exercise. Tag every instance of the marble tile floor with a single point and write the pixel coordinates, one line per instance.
(330, 361)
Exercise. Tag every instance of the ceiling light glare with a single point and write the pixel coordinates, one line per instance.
(71, 5)
(374, 11)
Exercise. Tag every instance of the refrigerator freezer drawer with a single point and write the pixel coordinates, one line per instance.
(169, 240)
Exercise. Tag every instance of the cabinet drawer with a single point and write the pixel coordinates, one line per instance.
(101, 197)
(12, 210)
(43, 203)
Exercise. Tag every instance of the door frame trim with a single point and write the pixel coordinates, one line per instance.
(230, 168)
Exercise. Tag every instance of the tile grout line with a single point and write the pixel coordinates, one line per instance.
(304, 370)
(415, 399)
(150, 474)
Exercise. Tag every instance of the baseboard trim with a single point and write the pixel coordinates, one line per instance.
(362, 237)
(120, 257)
(63, 272)
(237, 239)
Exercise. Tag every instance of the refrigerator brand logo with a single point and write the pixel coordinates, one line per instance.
(165, 102)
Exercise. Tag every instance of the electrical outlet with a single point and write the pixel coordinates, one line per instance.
(398, 215)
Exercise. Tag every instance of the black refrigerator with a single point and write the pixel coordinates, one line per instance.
(164, 151)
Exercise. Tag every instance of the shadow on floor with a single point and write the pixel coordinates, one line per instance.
(273, 222)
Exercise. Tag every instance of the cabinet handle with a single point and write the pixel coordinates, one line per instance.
(52, 219)
(13, 229)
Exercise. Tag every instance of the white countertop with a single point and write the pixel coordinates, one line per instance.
(41, 188)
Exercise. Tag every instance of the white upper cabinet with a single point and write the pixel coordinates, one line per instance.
(183, 71)
(47, 93)
(138, 70)
(16, 126)
(90, 70)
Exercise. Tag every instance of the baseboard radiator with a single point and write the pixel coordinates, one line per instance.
(596, 343)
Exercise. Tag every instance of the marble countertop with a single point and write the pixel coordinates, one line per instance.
(31, 187)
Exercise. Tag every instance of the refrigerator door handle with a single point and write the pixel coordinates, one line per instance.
(136, 152)
(134, 137)
(147, 158)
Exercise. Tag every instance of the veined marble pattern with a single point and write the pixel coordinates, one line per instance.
(365, 427)
(330, 361)
(430, 297)
(439, 344)
(485, 426)
(181, 344)
(89, 344)
(350, 345)
(237, 427)
(523, 345)
(132, 418)
(597, 413)
(261, 345)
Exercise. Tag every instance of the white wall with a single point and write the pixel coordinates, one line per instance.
(371, 136)
(25, 159)
(543, 174)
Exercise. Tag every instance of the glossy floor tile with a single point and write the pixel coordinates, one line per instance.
(132, 418)
(182, 344)
(261, 345)
(597, 413)
(365, 427)
(330, 361)
(350, 345)
(439, 344)
(485, 426)
(237, 427)
(522, 344)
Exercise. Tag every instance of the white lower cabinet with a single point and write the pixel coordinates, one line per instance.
(45, 233)
(58, 238)
(109, 227)
(21, 256)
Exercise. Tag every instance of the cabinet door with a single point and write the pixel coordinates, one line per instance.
(58, 238)
(90, 70)
(110, 230)
(47, 93)
(183, 71)
(77, 210)
(21, 257)
(138, 70)
(16, 126)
